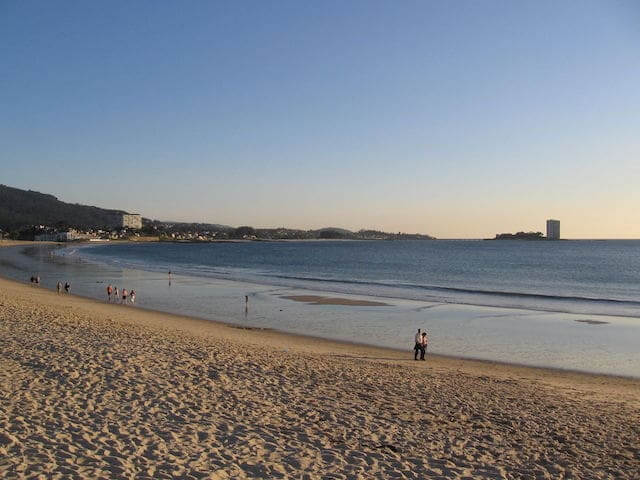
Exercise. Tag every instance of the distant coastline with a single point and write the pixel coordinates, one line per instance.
(527, 236)
(30, 215)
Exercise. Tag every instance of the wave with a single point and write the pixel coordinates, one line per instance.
(468, 291)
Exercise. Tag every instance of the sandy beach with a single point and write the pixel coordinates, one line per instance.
(92, 390)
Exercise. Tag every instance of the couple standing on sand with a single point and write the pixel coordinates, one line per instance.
(421, 345)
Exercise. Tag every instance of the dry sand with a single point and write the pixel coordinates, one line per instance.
(90, 390)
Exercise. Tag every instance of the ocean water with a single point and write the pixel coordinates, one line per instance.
(568, 304)
(601, 277)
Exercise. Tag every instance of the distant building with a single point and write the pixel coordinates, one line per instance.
(69, 236)
(553, 229)
(131, 220)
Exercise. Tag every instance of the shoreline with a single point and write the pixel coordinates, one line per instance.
(278, 338)
(478, 304)
(399, 353)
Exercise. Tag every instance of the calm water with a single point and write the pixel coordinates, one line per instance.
(573, 305)
(570, 276)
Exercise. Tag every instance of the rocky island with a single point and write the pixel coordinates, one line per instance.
(519, 236)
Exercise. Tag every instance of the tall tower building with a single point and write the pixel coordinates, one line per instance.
(553, 229)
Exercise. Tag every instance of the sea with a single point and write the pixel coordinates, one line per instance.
(571, 305)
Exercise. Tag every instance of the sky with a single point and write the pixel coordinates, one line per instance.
(459, 119)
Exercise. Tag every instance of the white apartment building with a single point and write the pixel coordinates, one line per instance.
(553, 229)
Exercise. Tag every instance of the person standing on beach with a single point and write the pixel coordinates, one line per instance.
(424, 341)
(416, 346)
(115, 294)
(109, 292)
(59, 287)
(124, 296)
(132, 297)
(67, 287)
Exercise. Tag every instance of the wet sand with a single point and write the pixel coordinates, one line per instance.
(322, 300)
(92, 390)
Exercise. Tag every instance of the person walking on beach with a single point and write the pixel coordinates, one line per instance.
(109, 292)
(67, 287)
(132, 297)
(424, 341)
(124, 296)
(416, 346)
(59, 287)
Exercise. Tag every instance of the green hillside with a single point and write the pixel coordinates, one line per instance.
(22, 208)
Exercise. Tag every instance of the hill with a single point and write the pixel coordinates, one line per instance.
(22, 208)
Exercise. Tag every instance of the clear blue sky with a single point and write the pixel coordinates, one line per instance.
(454, 118)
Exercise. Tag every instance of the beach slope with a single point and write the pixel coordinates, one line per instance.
(89, 390)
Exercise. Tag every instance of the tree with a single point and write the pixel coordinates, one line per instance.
(331, 234)
(243, 232)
